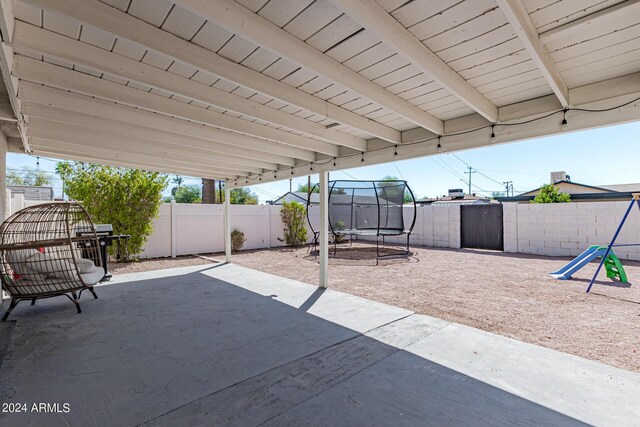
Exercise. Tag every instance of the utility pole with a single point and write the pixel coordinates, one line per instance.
(508, 185)
(470, 171)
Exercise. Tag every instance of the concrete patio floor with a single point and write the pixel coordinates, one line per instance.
(226, 345)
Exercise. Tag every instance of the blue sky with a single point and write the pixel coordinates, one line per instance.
(595, 157)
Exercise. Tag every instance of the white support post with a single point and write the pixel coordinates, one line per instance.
(3, 177)
(324, 229)
(174, 229)
(227, 224)
(4, 200)
(268, 208)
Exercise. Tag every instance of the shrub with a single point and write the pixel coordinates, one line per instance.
(549, 194)
(237, 240)
(293, 216)
(129, 199)
(339, 225)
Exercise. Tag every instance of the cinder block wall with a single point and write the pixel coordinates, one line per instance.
(437, 226)
(567, 229)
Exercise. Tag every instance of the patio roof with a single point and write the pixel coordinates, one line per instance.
(258, 90)
(226, 345)
(252, 91)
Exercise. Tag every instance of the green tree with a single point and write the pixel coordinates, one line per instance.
(304, 188)
(293, 216)
(406, 197)
(550, 194)
(178, 180)
(188, 194)
(29, 176)
(128, 199)
(496, 194)
(15, 178)
(242, 196)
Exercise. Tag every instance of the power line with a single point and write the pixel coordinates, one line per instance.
(349, 175)
(266, 193)
(448, 168)
(444, 165)
(468, 165)
(398, 169)
(31, 170)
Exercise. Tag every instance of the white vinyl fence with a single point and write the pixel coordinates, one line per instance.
(16, 202)
(183, 229)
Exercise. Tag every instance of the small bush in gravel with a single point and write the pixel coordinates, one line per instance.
(237, 240)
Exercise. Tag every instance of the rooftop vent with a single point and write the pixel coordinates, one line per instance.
(456, 193)
(559, 176)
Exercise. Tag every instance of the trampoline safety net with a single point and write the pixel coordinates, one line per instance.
(364, 207)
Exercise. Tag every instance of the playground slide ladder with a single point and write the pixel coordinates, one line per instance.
(614, 268)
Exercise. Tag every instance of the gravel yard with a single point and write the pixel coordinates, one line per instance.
(509, 294)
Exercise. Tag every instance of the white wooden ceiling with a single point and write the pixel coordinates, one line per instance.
(233, 89)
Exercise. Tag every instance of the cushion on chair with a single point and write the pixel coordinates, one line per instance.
(85, 265)
(36, 266)
(53, 267)
(92, 277)
(19, 260)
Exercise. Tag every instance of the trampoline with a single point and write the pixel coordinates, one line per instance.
(368, 209)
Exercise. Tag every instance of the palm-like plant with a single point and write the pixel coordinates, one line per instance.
(178, 180)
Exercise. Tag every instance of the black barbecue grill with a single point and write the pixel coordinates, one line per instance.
(105, 239)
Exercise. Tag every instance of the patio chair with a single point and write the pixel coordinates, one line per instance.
(48, 250)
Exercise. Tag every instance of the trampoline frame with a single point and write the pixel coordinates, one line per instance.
(378, 231)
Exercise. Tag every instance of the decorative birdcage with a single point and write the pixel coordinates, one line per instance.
(48, 250)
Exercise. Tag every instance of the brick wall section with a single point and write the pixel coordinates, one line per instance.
(437, 226)
(567, 229)
(454, 226)
(510, 226)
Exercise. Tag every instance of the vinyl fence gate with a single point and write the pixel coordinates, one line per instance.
(481, 227)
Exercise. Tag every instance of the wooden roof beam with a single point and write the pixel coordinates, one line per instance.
(239, 20)
(79, 83)
(377, 20)
(43, 128)
(174, 116)
(54, 119)
(601, 17)
(34, 94)
(67, 151)
(519, 19)
(58, 104)
(123, 25)
(43, 41)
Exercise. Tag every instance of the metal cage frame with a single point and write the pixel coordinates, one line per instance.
(48, 250)
(380, 232)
